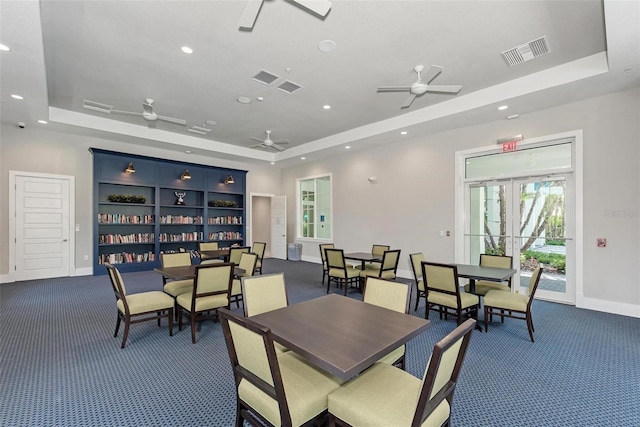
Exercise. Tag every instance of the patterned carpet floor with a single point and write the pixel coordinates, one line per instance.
(61, 366)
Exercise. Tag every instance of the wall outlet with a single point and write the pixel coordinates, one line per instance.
(86, 257)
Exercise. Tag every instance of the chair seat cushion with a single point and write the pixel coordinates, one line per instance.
(211, 261)
(306, 388)
(146, 302)
(506, 300)
(376, 273)
(178, 287)
(350, 273)
(393, 357)
(466, 299)
(484, 286)
(382, 396)
(203, 303)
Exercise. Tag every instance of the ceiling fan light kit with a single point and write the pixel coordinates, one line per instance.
(269, 143)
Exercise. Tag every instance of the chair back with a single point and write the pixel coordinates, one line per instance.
(117, 284)
(440, 278)
(263, 293)
(248, 262)
(178, 259)
(379, 249)
(497, 261)
(390, 261)
(335, 259)
(441, 375)
(212, 279)
(416, 267)
(254, 362)
(533, 285)
(323, 254)
(258, 249)
(208, 246)
(236, 253)
(387, 293)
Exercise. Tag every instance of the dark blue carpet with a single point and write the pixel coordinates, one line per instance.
(61, 365)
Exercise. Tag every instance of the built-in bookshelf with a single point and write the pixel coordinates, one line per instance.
(142, 214)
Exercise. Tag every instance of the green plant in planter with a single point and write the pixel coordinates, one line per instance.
(222, 203)
(126, 198)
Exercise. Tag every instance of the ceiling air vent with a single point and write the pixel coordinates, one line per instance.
(526, 52)
(289, 87)
(265, 77)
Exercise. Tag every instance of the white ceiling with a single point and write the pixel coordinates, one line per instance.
(120, 52)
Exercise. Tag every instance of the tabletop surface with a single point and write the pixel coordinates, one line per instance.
(363, 256)
(339, 334)
(216, 253)
(485, 273)
(184, 272)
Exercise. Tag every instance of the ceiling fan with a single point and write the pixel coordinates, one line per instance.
(250, 14)
(421, 85)
(269, 143)
(148, 114)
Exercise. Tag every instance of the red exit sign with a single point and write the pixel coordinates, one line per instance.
(509, 146)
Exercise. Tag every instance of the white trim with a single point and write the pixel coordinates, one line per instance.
(612, 307)
(298, 225)
(85, 271)
(12, 218)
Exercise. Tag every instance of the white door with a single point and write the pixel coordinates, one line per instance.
(42, 241)
(279, 227)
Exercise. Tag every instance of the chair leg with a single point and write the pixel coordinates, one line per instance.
(417, 301)
(486, 318)
(345, 283)
(530, 326)
(159, 314)
(127, 322)
(193, 328)
(328, 283)
(115, 334)
(239, 420)
(170, 318)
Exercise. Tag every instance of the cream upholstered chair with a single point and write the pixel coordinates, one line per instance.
(443, 292)
(176, 287)
(518, 305)
(416, 260)
(377, 250)
(210, 291)
(258, 249)
(394, 296)
(248, 264)
(386, 269)
(208, 246)
(276, 389)
(384, 395)
(339, 271)
(497, 261)
(323, 257)
(236, 252)
(140, 307)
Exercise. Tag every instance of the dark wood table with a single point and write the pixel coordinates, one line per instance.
(184, 272)
(339, 334)
(476, 272)
(215, 254)
(363, 257)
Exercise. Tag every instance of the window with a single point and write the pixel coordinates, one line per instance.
(314, 207)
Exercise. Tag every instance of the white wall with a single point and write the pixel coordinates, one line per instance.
(413, 198)
(44, 150)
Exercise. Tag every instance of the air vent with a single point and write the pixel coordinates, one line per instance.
(289, 87)
(526, 52)
(265, 77)
(96, 106)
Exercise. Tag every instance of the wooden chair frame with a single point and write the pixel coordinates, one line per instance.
(249, 271)
(340, 281)
(471, 311)
(259, 249)
(323, 257)
(415, 260)
(237, 249)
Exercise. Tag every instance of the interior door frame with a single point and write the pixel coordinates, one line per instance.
(460, 247)
(12, 217)
(250, 215)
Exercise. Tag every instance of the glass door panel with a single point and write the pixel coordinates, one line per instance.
(489, 231)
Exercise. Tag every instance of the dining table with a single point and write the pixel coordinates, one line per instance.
(222, 253)
(477, 272)
(339, 334)
(363, 257)
(185, 272)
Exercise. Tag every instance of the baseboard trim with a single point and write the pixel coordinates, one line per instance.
(86, 271)
(612, 307)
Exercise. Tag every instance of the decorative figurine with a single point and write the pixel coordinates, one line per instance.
(180, 197)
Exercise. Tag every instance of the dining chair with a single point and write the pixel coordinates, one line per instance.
(323, 257)
(236, 252)
(377, 250)
(274, 389)
(394, 296)
(208, 246)
(386, 269)
(518, 306)
(263, 293)
(443, 292)
(497, 261)
(139, 307)
(248, 264)
(384, 395)
(258, 249)
(210, 291)
(416, 267)
(339, 271)
(176, 287)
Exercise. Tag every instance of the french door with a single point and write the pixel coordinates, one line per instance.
(531, 219)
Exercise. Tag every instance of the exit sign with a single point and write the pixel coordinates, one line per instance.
(509, 146)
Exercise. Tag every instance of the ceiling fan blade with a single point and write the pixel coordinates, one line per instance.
(408, 101)
(258, 146)
(151, 124)
(281, 141)
(277, 147)
(250, 14)
(444, 88)
(319, 7)
(173, 120)
(257, 139)
(126, 113)
(394, 88)
(431, 74)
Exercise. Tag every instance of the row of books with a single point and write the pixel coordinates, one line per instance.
(225, 235)
(180, 219)
(126, 258)
(126, 238)
(181, 237)
(234, 220)
(105, 218)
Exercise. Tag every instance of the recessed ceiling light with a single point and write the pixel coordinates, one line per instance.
(347, 146)
(404, 132)
(186, 49)
(244, 100)
(327, 46)
(17, 97)
(187, 151)
(4, 48)
(626, 70)
(503, 107)
(326, 107)
(273, 163)
(303, 158)
(44, 122)
(513, 116)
